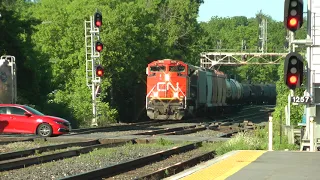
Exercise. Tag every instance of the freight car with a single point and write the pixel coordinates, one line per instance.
(176, 89)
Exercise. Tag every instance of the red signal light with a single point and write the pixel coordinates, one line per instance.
(293, 22)
(98, 19)
(99, 71)
(98, 23)
(293, 79)
(99, 46)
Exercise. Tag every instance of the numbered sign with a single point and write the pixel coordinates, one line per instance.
(301, 100)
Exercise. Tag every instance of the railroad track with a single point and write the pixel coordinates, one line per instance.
(126, 168)
(5, 139)
(154, 127)
(157, 165)
(25, 158)
(160, 122)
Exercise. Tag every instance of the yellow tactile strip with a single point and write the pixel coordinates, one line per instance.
(226, 167)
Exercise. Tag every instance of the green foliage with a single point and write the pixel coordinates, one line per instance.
(256, 140)
(164, 142)
(242, 141)
(280, 141)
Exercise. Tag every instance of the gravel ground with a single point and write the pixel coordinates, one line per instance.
(177, 125)
(18, 146)
(85, 162)
(131, 130)
(205, 133)
(165, 163)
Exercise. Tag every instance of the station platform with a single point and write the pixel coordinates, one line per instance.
(255, 165)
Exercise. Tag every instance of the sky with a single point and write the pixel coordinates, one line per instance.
(248, 8)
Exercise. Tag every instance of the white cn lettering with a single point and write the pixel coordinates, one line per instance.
(162, 86)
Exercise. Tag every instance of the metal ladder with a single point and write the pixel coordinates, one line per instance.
(89, 60)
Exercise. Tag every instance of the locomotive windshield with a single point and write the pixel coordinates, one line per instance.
(157, 68)
(176, 68)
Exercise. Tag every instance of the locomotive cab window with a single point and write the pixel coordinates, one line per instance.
(157, 68)
(177, 68)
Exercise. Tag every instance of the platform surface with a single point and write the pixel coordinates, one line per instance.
(255, 165)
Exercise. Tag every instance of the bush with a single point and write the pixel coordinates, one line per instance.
(242, 141)
(256, 140)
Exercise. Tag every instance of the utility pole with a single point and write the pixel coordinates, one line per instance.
(263, 35)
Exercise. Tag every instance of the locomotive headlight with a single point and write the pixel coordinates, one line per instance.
(155, 94)
(175, 94)
(167, 77)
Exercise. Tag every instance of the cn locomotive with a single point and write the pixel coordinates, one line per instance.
(176, 89)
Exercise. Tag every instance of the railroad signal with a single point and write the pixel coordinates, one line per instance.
(293, 14)
(97, 19)
(99, 46)
(293, 70)
(99, 71)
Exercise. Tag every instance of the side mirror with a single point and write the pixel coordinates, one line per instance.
(27, 114)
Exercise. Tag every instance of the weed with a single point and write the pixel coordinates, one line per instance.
(164, 142)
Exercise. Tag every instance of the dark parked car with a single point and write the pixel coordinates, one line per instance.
(22, 119)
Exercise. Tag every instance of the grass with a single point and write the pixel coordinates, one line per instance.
(253, 140)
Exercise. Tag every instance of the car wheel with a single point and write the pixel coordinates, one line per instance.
(44, 130)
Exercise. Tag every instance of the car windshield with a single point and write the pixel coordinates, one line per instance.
(33, 111)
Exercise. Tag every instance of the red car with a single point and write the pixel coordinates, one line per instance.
(22, 119)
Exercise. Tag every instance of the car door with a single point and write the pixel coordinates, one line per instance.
(21, 123)
(4, 121)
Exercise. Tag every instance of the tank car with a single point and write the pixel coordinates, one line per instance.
(176, 89)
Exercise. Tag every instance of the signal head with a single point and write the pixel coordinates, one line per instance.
(99, 46)
(293, 70)
(97, 19)
(99, 71)
(293, 14)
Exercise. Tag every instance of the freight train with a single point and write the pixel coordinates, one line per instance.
(176, 89)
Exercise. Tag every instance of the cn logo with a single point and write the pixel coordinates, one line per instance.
(163, 86)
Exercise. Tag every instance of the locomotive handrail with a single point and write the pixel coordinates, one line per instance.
(149, 95)
(185, 98)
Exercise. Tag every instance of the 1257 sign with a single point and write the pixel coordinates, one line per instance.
(302, 99)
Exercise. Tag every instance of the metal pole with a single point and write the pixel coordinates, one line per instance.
(93, 88)
(270, 133)
(281, 128)
(266, 35)
(312, 147)
(309, 79)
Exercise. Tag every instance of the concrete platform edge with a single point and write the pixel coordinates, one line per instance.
(201, 166)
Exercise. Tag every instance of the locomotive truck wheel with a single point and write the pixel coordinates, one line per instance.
(44, 130)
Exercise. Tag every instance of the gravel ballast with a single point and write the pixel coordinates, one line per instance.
(163, 164)
(18, 146)
(85, 162)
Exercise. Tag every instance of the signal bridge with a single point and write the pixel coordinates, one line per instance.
(210, 59)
